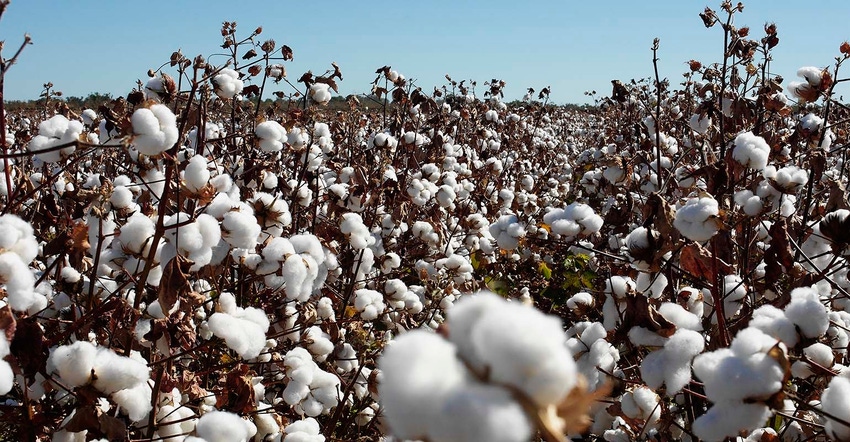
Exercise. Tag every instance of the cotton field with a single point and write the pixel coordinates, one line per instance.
(193, 262)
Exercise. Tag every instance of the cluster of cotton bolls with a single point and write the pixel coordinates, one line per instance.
(455, 388)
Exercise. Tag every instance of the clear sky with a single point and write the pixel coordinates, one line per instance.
(86, 46)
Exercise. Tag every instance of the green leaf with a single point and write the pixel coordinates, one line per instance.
(544, 270)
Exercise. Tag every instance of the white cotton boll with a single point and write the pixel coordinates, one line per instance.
(244, 333)
(790, 179)
(734, 292)
(834, 401)
(116, 372)
(807, 312)
(320, 93)
(154, 129)
(304, 430)
(271, 136)
(741, 371)
(369, 303)
(17, 235)
(121, 197)
(223, 426)
(642, 403)
(318, 343)
(651, 285)
(580, 300)
(522, 347)
(671, 366)
(358, 234)
(227, 84)
(420, 370)
(136, 233)
(728, 419)
(18, 280)
(680, 317)
(196, 175)
(479, 412)
(751, 151)
(751, 204)
(89, 116)
(820, 354)
(154, 181)
(698, 219)
(773, 322)
(73, 362)
(240, 230)
(135, 402)
(7, 377)
(56, 131)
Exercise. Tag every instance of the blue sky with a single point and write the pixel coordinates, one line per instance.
(86, 46)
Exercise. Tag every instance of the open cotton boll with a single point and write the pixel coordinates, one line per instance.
(369, 303)
(729, 419)
(790, 179)
(196, 175)
(240, 230)
(521, 346)
(358, 234)
(773, 322)
(227, 83)
(17, 236)
(154, 129)
(834, 401)
(698, 219)
(222, 426)
(7, 377)
(320, 93)
(507, 231)
(807, 312)
(135, 402)
(742, 371)
(73, 362)
(18, 281)
(304, 430)
(699, 123)
(271, 136)
(671, 365)
(56, 131)
(751, 150)
(244, 331)
(750, 203)
(420, 370)
(480, 412)
(114, 372)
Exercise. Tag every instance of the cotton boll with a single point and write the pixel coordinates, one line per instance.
(729, 419)
(56, 131)
(154, 129)
(698, 219)
(18, 236)
(671, 366)
(320, 93)
(223, 426)
(751, 150)
(304, 430)
(73, 362)
(116, 372)
(196, 175)
(478, 412)
(525, 348)
(271, 136)
(240, 230)
(135, 402)
(244, 332)
(420, 370)
(369, 303)
(227, 83)
(807, 312)
(18, 281)
(834, 401)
